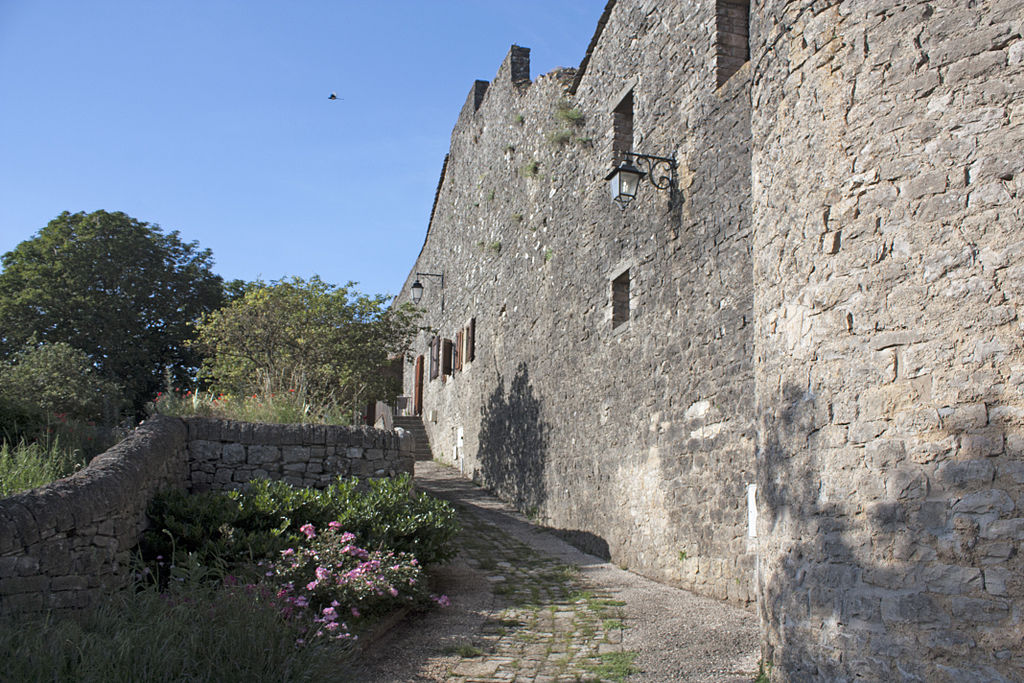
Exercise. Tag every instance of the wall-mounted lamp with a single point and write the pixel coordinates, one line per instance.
(417, 287)
(624, 180)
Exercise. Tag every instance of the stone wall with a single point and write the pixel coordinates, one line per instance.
(829, 308)
(64, 544)
(889, 181)
(638, 438)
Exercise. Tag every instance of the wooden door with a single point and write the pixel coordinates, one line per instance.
(417, 397)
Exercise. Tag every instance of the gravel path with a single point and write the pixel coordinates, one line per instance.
(526, 606)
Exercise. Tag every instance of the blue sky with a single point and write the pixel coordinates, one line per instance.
(212, 118)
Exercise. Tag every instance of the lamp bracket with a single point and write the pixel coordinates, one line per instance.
(661, 171)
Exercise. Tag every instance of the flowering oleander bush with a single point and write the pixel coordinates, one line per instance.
(336, 576)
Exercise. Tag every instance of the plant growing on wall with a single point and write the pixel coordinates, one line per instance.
(560, 138)
(566, 113)
(529, 169)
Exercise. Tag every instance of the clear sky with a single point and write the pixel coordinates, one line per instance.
(211, 117)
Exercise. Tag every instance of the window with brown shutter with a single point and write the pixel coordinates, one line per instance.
(435, 357)
(471, 340)
(446, 357)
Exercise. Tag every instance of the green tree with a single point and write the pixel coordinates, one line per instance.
(118, 289)
(58, 379)
(325, 341)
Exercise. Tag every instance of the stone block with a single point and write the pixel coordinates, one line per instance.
(951, 579)
(69, 583)
(263, 455)
(962, 474)
(233, 454)
(203, 451)
(984, 502)
(294, 454)
(919, 609)
(979, 611)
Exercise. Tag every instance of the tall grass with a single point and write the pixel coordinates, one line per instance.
(285, 408)
(194, 632)
(28, 465)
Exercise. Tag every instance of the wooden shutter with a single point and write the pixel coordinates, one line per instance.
(471, 340)
(435, 357)
(457, 360)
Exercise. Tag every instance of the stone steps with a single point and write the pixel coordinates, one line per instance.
(414, 425)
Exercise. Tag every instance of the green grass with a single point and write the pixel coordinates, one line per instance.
(193, 633)
(463, 650)
(616, 666)
(29, 465)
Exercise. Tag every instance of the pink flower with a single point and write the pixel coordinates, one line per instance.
(308, 529)
(355, 612)
(322, 573)
(335, 525)
(441, 600)
(393, 591)
(330, 614)
(312, 585)
(347, 537)
(289, 552)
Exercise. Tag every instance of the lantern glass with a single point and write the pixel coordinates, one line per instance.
(417, 292)
(623, 182)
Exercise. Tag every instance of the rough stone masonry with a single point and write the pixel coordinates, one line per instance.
(794, 378)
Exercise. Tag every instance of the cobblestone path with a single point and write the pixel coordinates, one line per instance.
(546, 625)
(526, 606)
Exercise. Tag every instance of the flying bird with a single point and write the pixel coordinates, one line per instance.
(334, 96)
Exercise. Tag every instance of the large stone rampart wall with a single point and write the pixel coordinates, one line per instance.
(64, 544)
(639, 438)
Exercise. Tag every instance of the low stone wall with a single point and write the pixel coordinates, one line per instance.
(64, 544)
(224, 454)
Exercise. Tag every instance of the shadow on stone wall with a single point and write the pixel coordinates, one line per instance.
(910, 565)
(513, 443)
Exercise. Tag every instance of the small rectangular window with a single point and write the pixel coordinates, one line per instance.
(732, 37)
(622, 128)
(620, 299)
(446, 357)
(435, 357)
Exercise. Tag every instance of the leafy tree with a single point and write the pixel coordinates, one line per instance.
(118, 289)
(324, 341)
(58, 379)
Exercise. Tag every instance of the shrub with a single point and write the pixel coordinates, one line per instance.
(226, 529)
(336, 577)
